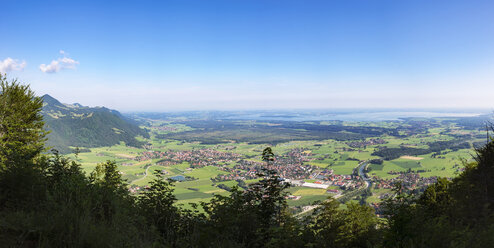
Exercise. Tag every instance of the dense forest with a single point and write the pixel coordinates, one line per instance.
(79, 126)
(224, 131)
(433, 147)
(47, 201)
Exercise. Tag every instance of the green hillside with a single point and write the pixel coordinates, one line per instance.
(74, 125)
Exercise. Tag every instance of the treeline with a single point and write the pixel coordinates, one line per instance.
(47, 201)
(472, 123)
(224, 131)
(376, 161)
(388, 153)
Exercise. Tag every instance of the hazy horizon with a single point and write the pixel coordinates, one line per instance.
(294, 110)
(253, 55)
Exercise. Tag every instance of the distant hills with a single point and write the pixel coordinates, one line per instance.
(75, 125)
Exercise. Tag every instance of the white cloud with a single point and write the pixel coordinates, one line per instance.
(10, 64)
(59, 64)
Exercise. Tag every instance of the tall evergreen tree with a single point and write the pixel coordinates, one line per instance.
(22, 135)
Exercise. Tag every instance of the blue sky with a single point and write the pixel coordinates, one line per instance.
(232, 54)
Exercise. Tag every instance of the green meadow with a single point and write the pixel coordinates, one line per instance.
(325, 153)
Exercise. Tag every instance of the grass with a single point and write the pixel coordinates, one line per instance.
(406, 164)
(192, 195)
(446, 166)
(304, 191)
(328, 153)
(307, 200)
(308, 195)
(205, 172)
(376, 167)
(344, 167)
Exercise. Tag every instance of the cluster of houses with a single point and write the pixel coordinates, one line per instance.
(299, 154)
(197, 158)
(344, 182)
(409, 180)
(324, 174)
(247, 169)
(242, 170)
(290, 165)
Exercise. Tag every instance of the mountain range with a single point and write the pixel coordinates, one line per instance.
(75, 125)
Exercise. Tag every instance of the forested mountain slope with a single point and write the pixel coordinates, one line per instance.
(74, 125)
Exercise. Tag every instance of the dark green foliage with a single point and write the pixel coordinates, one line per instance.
(392, 153)
(472, 123)
(376, 161)
(457, 213)
(330, 226)
(223, 131)
(46, 201)
(256, 217)
(223, 186)
(157, 205)
(58, 206)
(323, 225)
(79, 126)
(21, 124)
(267, 155)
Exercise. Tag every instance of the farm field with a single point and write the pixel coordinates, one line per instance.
(204, 165)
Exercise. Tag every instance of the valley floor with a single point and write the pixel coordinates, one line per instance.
(317, 169)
